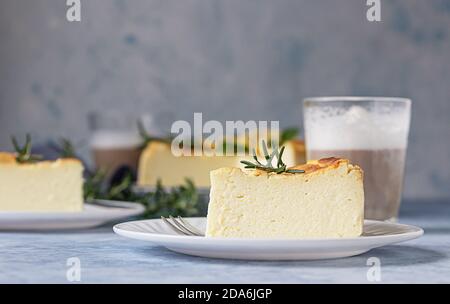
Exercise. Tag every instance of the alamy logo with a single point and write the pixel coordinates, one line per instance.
(236, 138)
(374, 11)
(73, 273)
(374, 272)
(74, 11)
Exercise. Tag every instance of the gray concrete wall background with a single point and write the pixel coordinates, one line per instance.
(230, 59)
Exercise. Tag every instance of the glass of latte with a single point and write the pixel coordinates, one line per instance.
(114, 141)
(371, 132)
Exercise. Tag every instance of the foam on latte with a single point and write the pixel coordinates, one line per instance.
(106, 139)
(356, 128)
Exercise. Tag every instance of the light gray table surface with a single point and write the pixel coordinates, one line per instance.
(108, 258)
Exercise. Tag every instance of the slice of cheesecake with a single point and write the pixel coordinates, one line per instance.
(326, 201)
(158, 162)
(294, 153)
(46, 186)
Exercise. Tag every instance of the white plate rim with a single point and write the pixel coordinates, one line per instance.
(111, 206)
(168, 238)
(92, 215)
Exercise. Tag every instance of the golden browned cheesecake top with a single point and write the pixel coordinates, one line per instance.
(325, 164)
(317, 166)
(7, 158)
(298, 144)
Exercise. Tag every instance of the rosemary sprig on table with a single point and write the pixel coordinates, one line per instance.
(178, 201)
(182, 200)
(268, 167)
(23, 154)
(94, 185)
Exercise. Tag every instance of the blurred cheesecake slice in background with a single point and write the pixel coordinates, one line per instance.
(158, 162)
(44, 186)
(326, 201)
(294, 152)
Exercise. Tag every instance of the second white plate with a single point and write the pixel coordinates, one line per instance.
(92, 215)
(376, 234)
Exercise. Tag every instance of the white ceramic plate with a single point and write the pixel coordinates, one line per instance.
(93, 215)
(376, 234)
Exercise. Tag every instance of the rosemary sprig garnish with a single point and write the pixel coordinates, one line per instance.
(268, 167)
(65, 148)
(146, 138)
(23, 154)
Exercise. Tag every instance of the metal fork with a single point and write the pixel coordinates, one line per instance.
(181, 226)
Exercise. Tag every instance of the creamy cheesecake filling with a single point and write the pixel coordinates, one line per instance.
(47, 186)
(326, 201)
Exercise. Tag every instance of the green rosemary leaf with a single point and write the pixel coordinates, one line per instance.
(67, 149)
(141, 130)
(268, 167)
(118, 189)
(247, 163)
(23, 154)
(27, 148)
(146, 138)
(255, 157)
(264, 147)
(270, 159)
(15, 144)
(280, 157)
(295, 171)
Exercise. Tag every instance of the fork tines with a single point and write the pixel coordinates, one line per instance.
(181, 226)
